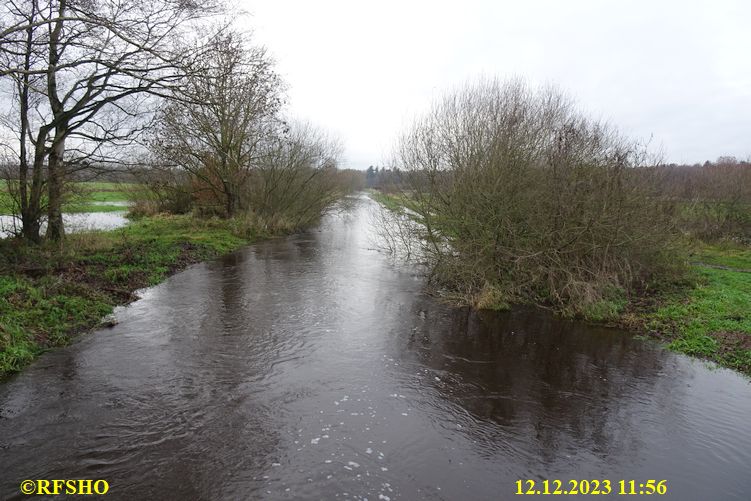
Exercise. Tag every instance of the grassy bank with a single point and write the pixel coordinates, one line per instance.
(48, 296)
(709, 317)
(394, 202)
(707, 314)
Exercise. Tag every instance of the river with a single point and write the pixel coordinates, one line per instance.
(313, 367)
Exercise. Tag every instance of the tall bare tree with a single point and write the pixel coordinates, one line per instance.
(82, 70)
(19, 52)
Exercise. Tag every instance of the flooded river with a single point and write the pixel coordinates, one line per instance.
(312, 367)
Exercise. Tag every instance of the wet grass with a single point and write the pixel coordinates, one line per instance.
(391, 202)
(396, 202)
(48, 295)
(607, 310)
(44, 312)
(710, 317)
(729, 255)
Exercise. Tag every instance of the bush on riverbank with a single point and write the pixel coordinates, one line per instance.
(518, 193)
(705, 313)
(48, 294)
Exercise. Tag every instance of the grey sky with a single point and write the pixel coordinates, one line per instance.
(676, 71)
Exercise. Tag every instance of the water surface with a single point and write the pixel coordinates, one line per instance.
(313, 367)
(74, 222)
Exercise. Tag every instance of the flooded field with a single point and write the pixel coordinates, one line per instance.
(84, 221)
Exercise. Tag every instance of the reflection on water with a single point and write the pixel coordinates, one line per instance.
(74, 223)
(313, 367)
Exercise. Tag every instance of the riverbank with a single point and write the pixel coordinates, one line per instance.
(48, 296)
(707, 314)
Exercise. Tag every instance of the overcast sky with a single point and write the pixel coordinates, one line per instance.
(678, 71)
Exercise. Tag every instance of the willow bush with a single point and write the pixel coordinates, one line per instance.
(522, 198)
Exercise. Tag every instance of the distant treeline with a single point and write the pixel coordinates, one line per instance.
(714, 197)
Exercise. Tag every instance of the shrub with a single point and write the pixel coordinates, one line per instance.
(514, 187)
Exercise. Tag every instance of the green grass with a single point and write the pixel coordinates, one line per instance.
(395, 202)
(48, 295)
(728, 255)
(711, 317)
(95, 193)
(608, 309)
(85, 193)
(391, 202)
(107, 186)
(41, 313)
(6, 202)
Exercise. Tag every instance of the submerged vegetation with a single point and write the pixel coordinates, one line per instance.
(704, 311)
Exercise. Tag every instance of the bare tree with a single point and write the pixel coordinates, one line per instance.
(82, 70)
(297, 178)
(19, 52)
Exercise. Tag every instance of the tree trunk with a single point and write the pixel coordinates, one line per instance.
(30, 202)
(31, 214)
(55, 178)
(30, 227)
(55, 167)
(230, 204)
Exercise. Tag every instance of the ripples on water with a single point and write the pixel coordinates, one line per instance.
(313, 367)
